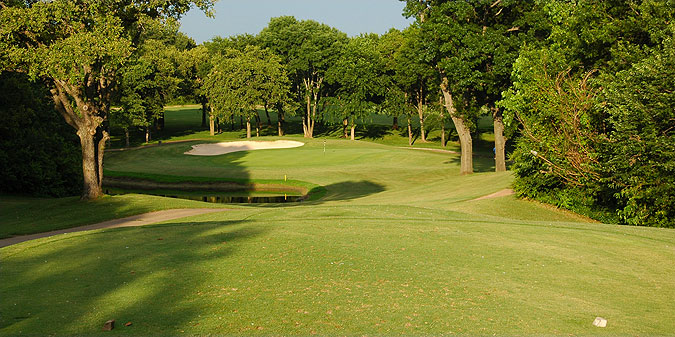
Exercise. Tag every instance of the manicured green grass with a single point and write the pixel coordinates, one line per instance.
(343, 269)
(398, 245)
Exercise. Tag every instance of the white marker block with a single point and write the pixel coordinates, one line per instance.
(600, 322)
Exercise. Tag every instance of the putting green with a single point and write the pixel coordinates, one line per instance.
(398, 245)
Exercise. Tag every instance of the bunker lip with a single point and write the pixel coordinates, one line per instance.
(217, 149)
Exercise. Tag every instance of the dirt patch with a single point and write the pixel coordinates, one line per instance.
(132, 221)
(229, 147)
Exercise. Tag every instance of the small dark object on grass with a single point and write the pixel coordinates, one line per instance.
(109, 325)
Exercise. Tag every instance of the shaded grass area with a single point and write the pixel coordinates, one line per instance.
(241, 186)
(23, 215)
(334, 269)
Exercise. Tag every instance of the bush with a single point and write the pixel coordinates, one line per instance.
(641, 151)
(39, 152)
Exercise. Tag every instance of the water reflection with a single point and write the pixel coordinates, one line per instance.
(220, 199)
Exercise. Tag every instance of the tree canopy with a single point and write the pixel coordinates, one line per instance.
(241, 81)
(77, 48)
(308, 50)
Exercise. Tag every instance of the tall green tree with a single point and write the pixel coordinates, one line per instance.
(406, 71)
(472, 45)
(359, 76)
(392, 105)
(197, 65)
(418, 77)
(146, 83)
(308, 49)
(240, 82)
(77, 48)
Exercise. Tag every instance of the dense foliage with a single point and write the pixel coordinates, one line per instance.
(77, 48)
(241, 81)
(158, 71)
(359, 80)
(308, 50)
(39, 154)
(595, 106)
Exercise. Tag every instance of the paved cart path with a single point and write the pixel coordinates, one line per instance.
(132, 221)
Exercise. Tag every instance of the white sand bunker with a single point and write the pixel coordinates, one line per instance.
(228, 147)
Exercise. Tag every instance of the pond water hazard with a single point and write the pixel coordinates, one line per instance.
(216, 198)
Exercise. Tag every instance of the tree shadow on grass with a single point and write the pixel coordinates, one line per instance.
(150, 276)
(342, 191)
(481, 162)
(372, 131)
(348, 190)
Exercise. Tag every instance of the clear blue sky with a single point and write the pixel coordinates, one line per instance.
(251, 16)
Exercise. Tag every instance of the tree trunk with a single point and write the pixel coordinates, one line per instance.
(465, 142)
(147, 134)
(248, 127)
(306, 119)
(212, 125)
(394, 125)
(280, 121)
(345, 124)
(90, 174)
(312, 120)
(204, 110)
(500, 141)
(105, 136)
(443, 142)
(258, 124)
(420, 111)
(269, 120)
(160, 123)
(409, 132)
(440, 100)
(89, 119)
(353, 128)
(126, 137)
